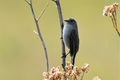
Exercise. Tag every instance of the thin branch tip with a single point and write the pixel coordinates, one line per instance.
(31, 1)
(43, 11)
(27, 2)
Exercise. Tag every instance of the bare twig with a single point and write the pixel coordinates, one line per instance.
(62, 25)
(43, 10)
(39, 33)
(82, 76)
(114, 23)
(27, 1)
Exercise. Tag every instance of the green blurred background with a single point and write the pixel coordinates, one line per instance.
(21, 52)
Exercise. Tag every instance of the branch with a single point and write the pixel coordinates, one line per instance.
(43, 10)
(114, 17)
(115, 23)
(82, 76)
(39, 33)
(27, 2)
(62, 25)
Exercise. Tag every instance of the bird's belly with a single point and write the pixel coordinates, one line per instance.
(66, 41)
(66, 35)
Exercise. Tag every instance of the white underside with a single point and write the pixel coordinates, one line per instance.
(66, 34)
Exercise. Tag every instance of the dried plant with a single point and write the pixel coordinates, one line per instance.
(38, 30)
(74, 74)
(111, 11)
(67, 73)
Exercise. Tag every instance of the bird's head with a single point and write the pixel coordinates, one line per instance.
(70, 21)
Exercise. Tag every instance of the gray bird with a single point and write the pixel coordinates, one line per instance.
(71, 38)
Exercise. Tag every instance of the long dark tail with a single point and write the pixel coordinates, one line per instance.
(73, 60)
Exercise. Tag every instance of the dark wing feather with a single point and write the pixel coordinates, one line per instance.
(74, 42)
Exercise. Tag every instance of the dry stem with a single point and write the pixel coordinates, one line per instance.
(39, 33)
(62, 25)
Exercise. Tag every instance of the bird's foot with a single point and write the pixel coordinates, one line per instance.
(63, 56)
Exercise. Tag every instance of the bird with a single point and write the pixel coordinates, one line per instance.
(71, 38)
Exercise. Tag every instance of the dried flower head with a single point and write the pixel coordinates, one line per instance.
(77, 70)
(57, 74)
(68, 66)
(109, 10)
(52, 70)
(85, 68)
(46, 75)
(54, 74)
(96, 78)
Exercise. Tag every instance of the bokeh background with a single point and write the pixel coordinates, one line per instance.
(21, 52)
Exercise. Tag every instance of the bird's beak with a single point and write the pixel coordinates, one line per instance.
(66, 20)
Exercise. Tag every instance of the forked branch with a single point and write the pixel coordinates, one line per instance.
(38, 30)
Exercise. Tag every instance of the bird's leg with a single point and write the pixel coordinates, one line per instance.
(73, 60)
(68, 53)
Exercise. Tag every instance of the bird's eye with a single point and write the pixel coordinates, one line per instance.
(72, 21)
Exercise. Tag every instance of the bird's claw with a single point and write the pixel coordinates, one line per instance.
(63, 56)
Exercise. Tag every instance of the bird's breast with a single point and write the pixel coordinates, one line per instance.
(66, 34)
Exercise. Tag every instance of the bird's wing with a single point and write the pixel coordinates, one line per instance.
(74, 42)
